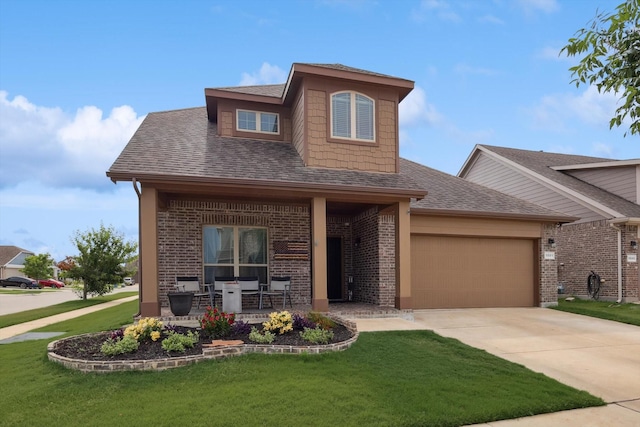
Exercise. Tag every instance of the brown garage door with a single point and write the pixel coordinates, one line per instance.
(461, 272)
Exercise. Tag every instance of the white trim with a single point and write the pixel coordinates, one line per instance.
(258, 122)
(549, 183)
(236, 264)
(596, 165)
(353, 123)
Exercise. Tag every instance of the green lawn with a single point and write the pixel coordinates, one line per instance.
(625, 313)
(410, 378)
(39, 313)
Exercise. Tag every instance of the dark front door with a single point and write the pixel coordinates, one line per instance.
(334, 268)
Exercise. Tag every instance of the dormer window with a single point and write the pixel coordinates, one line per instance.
(257, 121)
(352, 116)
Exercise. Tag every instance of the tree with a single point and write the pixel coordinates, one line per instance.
(103, 254)
(38, 266)
(612, 47)
(66, 265)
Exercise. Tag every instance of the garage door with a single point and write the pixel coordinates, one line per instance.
(461, 272)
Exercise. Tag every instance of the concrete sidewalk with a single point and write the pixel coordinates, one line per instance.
(15, 330)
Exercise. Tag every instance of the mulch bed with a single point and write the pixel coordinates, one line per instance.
(87, 347)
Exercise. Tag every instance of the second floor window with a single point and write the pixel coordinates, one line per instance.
(352, 116)
(257, 121)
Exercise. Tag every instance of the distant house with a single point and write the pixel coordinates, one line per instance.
(304, 179)
(12, 261)
(603, 194)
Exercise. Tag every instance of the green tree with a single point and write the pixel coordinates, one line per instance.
(612, 57)
(38, 266)
(103, 254)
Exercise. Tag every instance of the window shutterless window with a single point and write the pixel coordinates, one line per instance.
(352, 116)
(235, 251)
(257, 121)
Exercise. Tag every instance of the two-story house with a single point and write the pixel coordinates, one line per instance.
(304, 179)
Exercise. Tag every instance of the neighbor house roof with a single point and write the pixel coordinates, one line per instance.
(9, 253)
(183, 146)
(548, 168)
(451, 195)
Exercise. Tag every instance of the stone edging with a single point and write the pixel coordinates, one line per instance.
(105, 366)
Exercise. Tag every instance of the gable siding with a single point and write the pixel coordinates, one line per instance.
(620, 181)
(490, 173)
(297, 116)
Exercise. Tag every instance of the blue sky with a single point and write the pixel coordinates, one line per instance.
(78, 77)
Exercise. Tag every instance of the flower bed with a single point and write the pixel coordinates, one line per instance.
(86, 352)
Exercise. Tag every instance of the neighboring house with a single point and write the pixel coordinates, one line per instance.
(304, 179)
(12, 261)
(603, 193)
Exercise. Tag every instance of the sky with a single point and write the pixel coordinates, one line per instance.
(78, 77)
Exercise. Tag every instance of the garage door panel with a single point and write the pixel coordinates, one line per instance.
(461, 272)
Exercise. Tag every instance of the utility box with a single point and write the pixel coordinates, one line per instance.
(231, 298)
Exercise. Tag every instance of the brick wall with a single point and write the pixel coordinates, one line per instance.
(594, 246)
(548, 286)
(387, 260)
(180, 239)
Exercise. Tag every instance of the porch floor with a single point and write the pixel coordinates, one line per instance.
(347, 310)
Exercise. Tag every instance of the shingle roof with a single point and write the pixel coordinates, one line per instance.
(183, 143)
(341, 67)
(262, 90)
(541, 163)
(7, 253)
(453, 194)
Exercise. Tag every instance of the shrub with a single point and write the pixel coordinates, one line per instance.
(180, 342)
(146, 328)
(256, 336)
(317, 335)
(112, 347)
(117, 334)
(217, 324)
(279, 322)
(240, 328)
(301, 322)
(321, 320)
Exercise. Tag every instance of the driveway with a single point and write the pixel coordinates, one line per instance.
(599, 356)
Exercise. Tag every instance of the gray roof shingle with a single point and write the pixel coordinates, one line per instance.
(542, 162)
(451, 193)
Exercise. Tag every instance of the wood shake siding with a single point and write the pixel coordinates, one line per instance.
(297, 114)
(620, 181)
(225, 125)
(493, 174)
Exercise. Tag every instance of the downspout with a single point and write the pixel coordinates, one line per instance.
(619, 300)
(140, 287)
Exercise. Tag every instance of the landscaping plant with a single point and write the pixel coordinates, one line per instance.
(217, 324)
(279, 321)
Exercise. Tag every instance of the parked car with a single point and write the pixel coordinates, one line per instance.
(128, 281)
(50, 283)
(22, 282)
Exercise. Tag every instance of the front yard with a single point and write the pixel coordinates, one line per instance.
(625, 313)
(411, 378)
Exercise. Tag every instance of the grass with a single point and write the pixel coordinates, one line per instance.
(39, 313)
(625, 313)
(409, 378)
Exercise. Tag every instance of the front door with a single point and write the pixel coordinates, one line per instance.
(334, 269)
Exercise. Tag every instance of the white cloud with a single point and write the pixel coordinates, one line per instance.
(491, 19)
(438, 8)
(268, 74)
(532, 6)
(601, 149)
(415, 110)
(553, 54)
(47, 145)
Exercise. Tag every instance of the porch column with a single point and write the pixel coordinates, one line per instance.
(149, 302)
(319, 301)
(403, 256)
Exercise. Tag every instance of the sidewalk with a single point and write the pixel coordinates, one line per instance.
(15, 330)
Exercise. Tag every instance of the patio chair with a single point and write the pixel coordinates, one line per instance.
(249, 285)
(216, 289)
(279, 286)
(191, 284)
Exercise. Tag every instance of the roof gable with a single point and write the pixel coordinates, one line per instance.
(9, 253)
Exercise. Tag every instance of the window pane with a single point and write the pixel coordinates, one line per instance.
(218, 245)
(210, 273)
(253, 245)
(247, 120)
(261, 272)
(269, 122)
(341, 110)
(364, 117)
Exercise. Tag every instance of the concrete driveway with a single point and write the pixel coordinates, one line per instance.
(599, 356)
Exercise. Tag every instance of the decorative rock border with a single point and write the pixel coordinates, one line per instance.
(105, 366)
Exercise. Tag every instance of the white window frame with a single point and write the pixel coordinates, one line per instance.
(353, 122)
(236, 264)
(258, 122)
